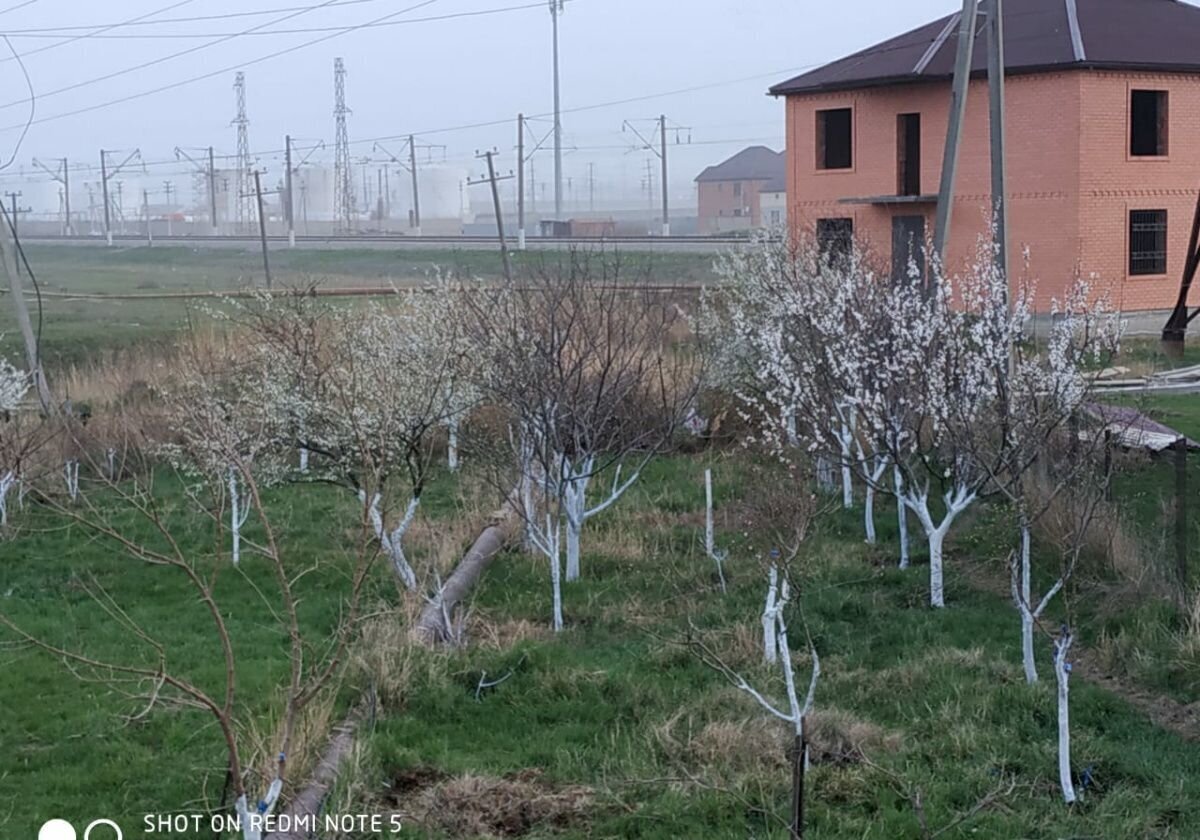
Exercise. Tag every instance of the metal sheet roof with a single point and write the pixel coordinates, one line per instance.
(1039, 36)
(754, 163)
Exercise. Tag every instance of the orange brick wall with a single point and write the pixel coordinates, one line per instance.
(717, 201)
(1071, 181)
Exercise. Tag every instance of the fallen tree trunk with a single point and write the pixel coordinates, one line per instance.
(435, 624)
(308, 803)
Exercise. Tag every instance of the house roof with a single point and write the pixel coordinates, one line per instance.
(754, 163)
(1039, 36)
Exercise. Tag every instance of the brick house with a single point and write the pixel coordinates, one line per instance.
(730, 193)
(1103, 144)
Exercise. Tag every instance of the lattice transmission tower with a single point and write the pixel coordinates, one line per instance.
(244, 213)
(343, 173)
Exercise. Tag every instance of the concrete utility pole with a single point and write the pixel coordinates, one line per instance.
(556, 9)
(661, 151)
(591, 188)
(520, 182)
(412, 165)
(995, 28)
(146, 216)
(62, 174)
(212, 192)
(14, 212)
(9, 256)
(107, 174)
(209, 171)
(289, 207)
(958, 107)
(169, 189)
(494, 180)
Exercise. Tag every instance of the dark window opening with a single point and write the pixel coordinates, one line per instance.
(908, 248)
(835, 238)
(908, 154)
(1148, 123)
(1148, 242)
(835, 139)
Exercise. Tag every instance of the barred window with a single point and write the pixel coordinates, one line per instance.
(1148, 242)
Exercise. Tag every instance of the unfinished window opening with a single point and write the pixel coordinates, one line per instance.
(1148, 123)
(908, 154)
(835, 139)
(1147, 242)
(835, 238)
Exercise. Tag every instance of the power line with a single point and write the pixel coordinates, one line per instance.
(276, 54)
(139, 21)
(160, 60)
(17, 6)
(129, 22)
(307, 30)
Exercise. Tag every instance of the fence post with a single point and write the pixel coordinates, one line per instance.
(1181, 514)
(1108, 465)
(799, 753)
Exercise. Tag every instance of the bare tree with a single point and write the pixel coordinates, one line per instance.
(127, 516)
(588, 368)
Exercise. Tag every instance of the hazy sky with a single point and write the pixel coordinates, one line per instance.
(427, 76)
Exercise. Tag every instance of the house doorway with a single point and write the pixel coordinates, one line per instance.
(908, 245)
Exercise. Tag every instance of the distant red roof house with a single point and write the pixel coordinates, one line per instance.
(1103, 137)
(730, 193)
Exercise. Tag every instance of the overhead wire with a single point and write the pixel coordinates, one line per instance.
(106, 28)
(172, 56)
(306, 30)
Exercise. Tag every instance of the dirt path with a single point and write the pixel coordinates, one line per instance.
(1183, 719)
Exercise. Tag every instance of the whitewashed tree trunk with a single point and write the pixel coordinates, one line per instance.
(824, 474)
(957, 500)
(1022, 586)
(847, 474)
(71, 473)
(770, 646)
(880, 466)
(237, 515)
(791, 433)
(452, 426)
(251, 821)
(710, 544)
(901, 515)
(110, 457)
(393, 541)
(547, 539)
(1062, 672)
(303, 459)
(575, 481)
(6, 483)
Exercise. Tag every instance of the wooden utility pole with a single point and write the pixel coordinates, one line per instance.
(262, 226)
(494, 181)
(15, 214)
(958, 107)
(520, 182)
(1181, 514)
(9, 256)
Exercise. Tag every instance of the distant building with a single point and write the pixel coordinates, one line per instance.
(1103, 145)
(731, 193)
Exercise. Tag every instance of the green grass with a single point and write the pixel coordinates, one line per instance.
(618, 703)
(74, 330)
(590, 706)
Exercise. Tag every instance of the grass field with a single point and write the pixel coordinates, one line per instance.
(75, 329)
(615, 728)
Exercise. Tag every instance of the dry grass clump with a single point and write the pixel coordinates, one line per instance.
(474, 805)
(387, 661)
(761, 746)
(489, 633)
